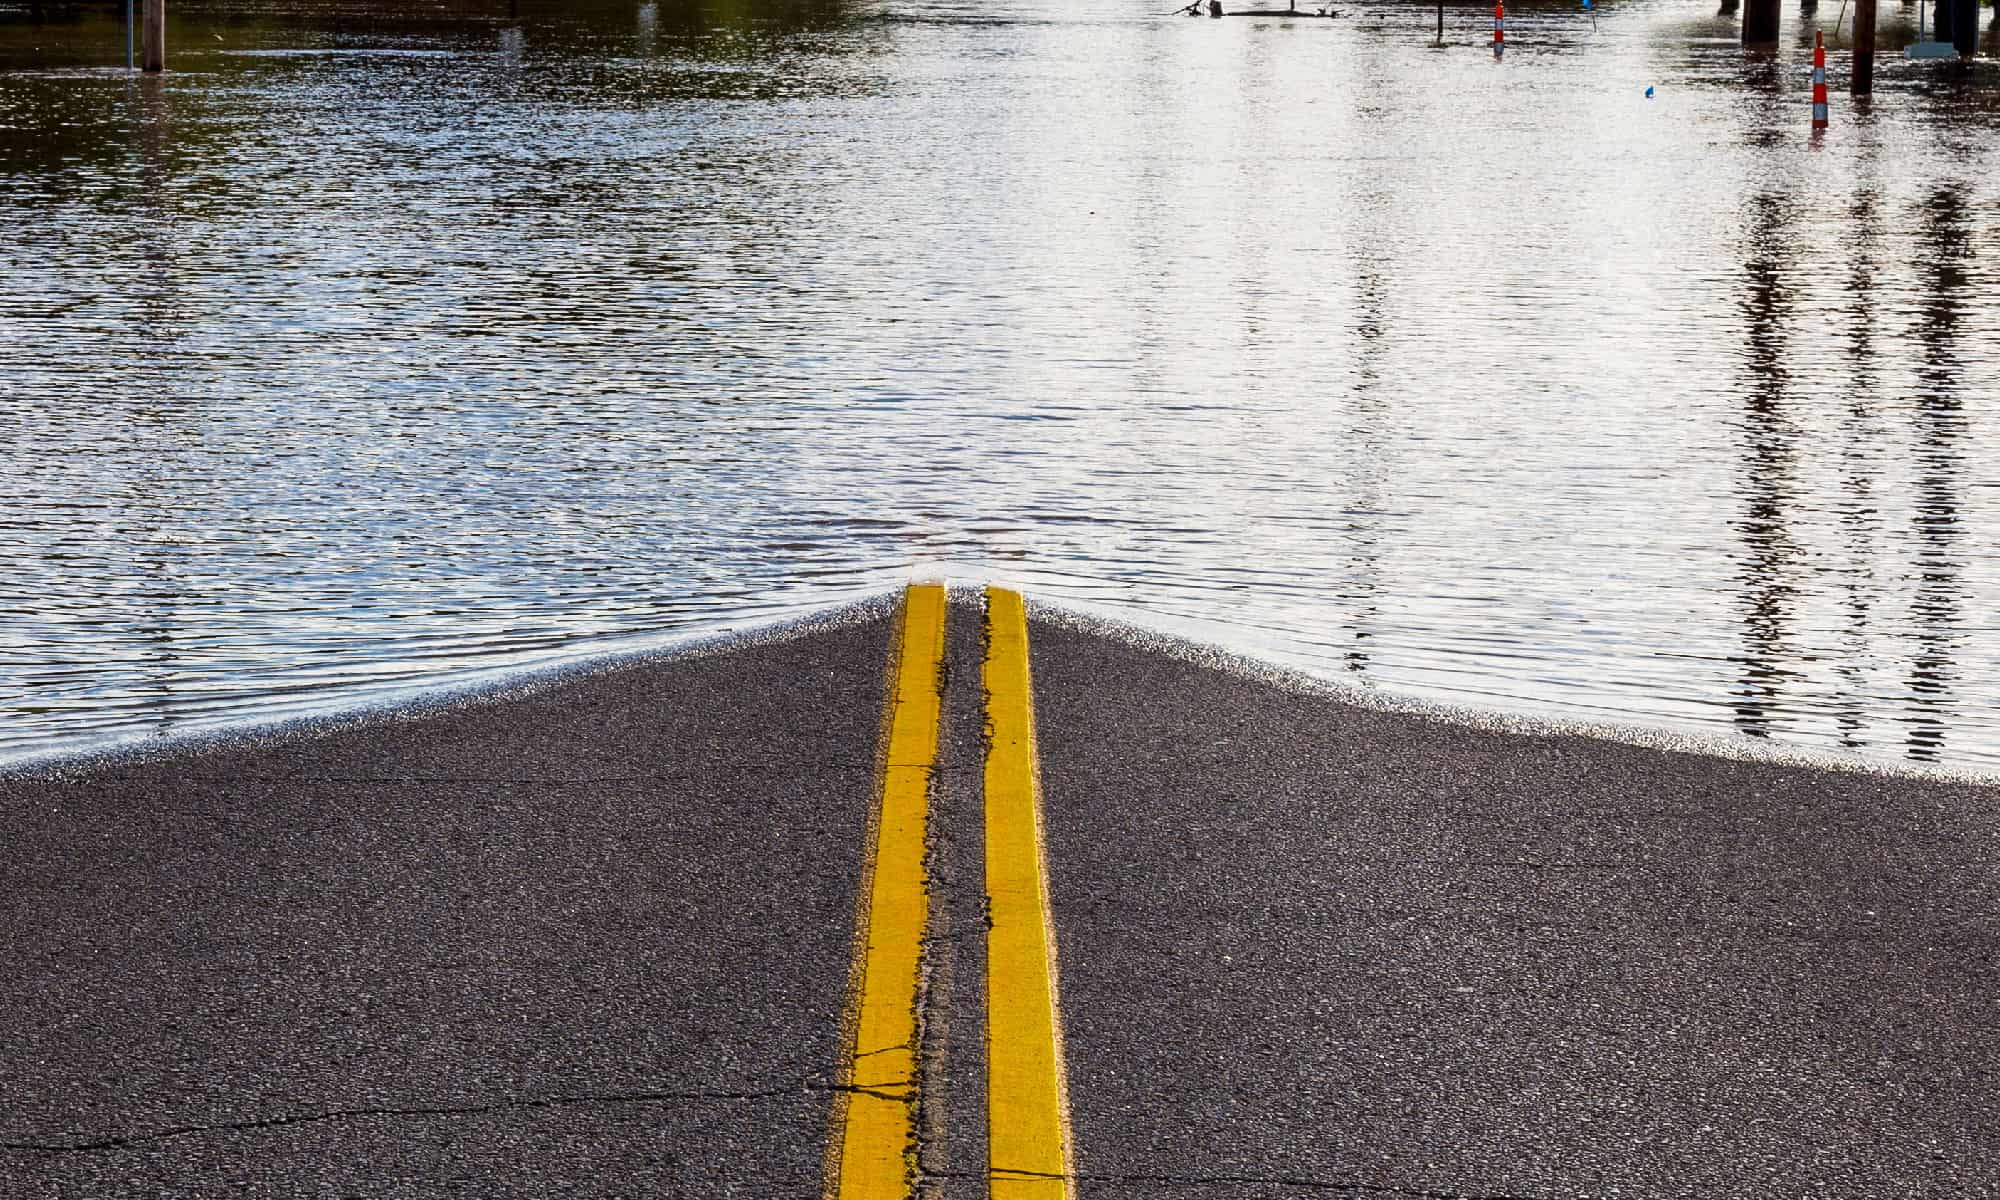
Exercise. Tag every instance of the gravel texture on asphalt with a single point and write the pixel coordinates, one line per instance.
(592, 941)
(1308, 948)
(952, 1129)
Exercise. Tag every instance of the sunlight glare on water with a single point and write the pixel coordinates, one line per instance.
(373, 345)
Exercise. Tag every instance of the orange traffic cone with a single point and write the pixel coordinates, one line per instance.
(1819, 81)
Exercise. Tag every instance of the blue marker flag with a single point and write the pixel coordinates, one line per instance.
(1649, 93)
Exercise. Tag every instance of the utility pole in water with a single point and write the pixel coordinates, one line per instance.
(1957, 22)
(1861, 76)
(153, 37)
(1964, 27)
(1760, 23)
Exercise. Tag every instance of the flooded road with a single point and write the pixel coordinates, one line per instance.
(366, 352)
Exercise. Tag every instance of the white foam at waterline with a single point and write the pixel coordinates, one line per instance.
(1122, 625)
(453, 691)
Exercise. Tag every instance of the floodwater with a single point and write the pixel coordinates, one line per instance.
(381, 344)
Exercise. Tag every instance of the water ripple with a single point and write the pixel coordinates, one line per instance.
(376, 348)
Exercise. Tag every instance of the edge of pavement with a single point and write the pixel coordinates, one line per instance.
(1322, 687)
(497, 686)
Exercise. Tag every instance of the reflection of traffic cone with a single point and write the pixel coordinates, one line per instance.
(1499, 26)
(1819, 81)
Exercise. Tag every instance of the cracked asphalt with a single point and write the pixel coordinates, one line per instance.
(596, 941)
(1312, 949)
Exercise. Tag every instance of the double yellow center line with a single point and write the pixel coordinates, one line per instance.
(875, 1119)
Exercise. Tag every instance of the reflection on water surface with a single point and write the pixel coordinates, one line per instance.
(377, 342)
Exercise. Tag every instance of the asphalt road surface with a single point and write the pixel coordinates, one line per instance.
(591, 942)
(1309, 949)
(600, 941)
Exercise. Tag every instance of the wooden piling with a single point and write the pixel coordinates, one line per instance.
(1861, 77)
(1760, 23)
(153, 37)
(1964, 26)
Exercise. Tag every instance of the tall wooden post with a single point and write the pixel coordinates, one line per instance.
(1964, 26)
(153, 37)
(1760, 23)
(1861, 76)
(1941, 15)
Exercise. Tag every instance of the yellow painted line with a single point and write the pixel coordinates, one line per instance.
(1028, 1154)
(875, 1116)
